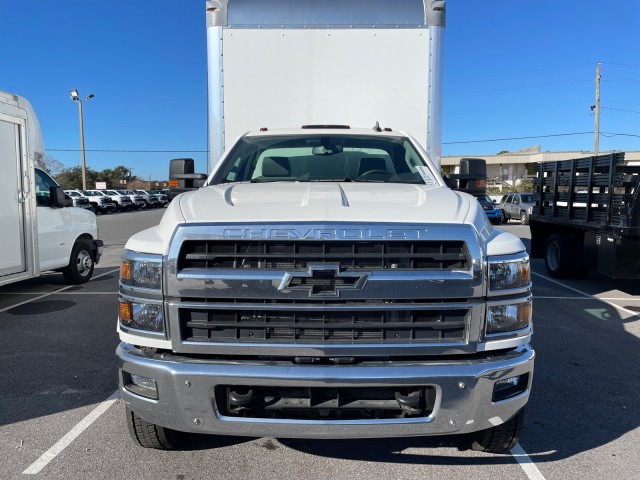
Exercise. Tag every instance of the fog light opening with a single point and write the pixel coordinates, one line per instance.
(140, 385)
(511, 387)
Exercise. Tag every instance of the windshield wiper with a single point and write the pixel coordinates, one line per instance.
(305, 178)
(268, 180)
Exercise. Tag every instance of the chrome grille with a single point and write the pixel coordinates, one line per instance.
(324, 289)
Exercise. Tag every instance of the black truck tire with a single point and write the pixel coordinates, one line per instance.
(81, 263)
(499, 439)
(524, 217)
(149, 435)
(563, 257)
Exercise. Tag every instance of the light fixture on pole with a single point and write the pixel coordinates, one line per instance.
(75, 96)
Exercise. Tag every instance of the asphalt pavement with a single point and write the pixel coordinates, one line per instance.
(59, 414)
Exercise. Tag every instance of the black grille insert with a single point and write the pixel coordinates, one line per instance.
(349, 255)
(373, 326)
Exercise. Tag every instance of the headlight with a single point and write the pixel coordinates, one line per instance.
(508, 317)
(508, 273)
(142, 316)
(530, 210)
(144, 272)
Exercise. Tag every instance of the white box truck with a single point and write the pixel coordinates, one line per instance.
(40, 232)
(325, 282)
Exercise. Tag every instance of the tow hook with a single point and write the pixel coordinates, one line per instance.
(411, 402)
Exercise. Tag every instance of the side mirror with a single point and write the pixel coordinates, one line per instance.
(58, 199)
(452, 183)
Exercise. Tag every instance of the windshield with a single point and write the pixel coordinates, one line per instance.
(484, 199)
(323, 158)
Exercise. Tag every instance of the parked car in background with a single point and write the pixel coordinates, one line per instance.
(491, 209)
(125, 202)
(517, 206)
(151, 199)
(136, 199)
(100, 203)
(163, 196)
(79, 200)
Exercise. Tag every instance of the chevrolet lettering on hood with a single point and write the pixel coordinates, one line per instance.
(324, 234)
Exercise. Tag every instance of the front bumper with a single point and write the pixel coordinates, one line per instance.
(463, 404)
(493, 213)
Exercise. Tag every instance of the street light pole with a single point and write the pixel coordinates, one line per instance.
(76, 98)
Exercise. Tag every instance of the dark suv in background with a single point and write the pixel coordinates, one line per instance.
(492, 210)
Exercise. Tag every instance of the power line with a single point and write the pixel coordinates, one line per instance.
(623, 78)
(506, 74)
(622, 64)
(623, 102)
(517, 107)
(610, 134)
(519, 138)
(620, 109)
(536, 85)
(606, 134)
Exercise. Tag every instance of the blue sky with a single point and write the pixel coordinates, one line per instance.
(513, 68)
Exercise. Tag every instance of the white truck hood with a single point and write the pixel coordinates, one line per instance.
(309, 202)
(318, 202)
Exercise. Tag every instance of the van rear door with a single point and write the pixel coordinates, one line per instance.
(13, 248)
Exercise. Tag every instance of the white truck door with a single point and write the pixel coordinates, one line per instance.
(55, 236)
(12, 198)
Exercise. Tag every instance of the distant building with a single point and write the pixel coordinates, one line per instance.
(509, 169)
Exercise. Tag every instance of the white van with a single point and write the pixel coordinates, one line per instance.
(40, 232)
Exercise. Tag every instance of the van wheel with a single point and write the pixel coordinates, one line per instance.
(499, 439)
(149, 435)
(81, 263)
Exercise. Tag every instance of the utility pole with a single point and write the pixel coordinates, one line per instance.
(596, 144)
(75, 96)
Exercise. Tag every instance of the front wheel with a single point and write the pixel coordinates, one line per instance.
(524, 218)
(81, 263)
(499, 439)
(149, 435)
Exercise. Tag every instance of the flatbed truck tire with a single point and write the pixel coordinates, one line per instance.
(149, 435)
(562, 257)
(499, 439)
(81, 263)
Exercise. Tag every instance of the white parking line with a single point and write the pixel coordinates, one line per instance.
(626, 299)
(58, 292)
(53, 293)
(65, 441)
(529, 468)
(603, 300)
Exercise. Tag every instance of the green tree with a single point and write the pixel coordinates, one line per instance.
(71, 178)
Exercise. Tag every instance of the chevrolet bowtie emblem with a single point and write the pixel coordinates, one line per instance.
(323, 280)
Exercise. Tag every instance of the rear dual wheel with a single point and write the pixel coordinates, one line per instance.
(563, 257)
